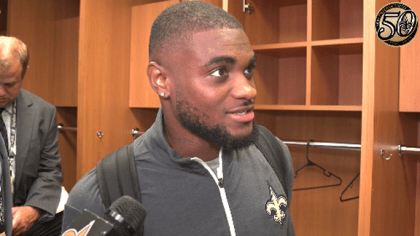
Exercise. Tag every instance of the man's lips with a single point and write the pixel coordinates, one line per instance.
(242, 109)
(242, 114)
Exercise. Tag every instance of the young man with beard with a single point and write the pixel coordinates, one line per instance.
(198, 168)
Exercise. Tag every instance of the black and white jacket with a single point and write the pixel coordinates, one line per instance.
(183, 196)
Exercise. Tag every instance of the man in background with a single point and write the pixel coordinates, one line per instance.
(32, 146)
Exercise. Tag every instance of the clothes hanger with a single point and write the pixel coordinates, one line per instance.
(349, 186)
(324, 171)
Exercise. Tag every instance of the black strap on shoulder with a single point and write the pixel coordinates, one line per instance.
(270, 147)
(117, 176)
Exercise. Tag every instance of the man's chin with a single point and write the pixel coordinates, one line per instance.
(229, 137)
(4, 104)
(242, 133)
(240, 141)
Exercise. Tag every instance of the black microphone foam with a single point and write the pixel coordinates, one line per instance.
(127, 215)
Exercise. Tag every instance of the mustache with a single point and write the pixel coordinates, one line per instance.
(249, 102)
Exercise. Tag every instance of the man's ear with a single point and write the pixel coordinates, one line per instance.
(24, 70)
(157, 79)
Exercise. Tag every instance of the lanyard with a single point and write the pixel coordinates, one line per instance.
(12, 151)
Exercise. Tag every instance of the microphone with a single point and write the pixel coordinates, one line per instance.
(90, 224)
(124, 217)
(127, 215)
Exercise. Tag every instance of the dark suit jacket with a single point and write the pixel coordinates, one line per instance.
(38, 174)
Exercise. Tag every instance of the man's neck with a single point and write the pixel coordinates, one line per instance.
(8, 108)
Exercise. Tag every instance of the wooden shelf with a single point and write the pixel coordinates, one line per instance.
(275, 46)
(272, 76)
(338, 42)
(307, 108)
(337, 73)
(276, 21)
(282, 49)
(337, 19)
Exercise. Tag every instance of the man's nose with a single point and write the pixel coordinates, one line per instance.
(244, 88)
(2, 90)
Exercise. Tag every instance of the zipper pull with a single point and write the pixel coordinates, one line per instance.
(220, 170)
(221, 184)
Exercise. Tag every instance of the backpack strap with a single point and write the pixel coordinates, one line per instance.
(271, 149)
(117, 176)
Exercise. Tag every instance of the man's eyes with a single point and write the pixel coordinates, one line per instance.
(249, 69)
(223, 71)
(219, 72)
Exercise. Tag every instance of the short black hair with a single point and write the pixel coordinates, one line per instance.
(182, 18)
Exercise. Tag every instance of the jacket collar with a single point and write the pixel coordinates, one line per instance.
(156, 144)
(25, 119)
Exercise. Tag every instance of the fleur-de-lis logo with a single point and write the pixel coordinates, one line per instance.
(406, 25)
(276, 205)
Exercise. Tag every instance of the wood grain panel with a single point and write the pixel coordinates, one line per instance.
(324, 77)
(263, 21)
(267, 119)
(141, 93)
(388, 186)
(336, 77)
(367, 122)
(350, 79)
(409, 70)
(292, 23)
(325, 19)
(235, 8)
(292, 81)
(282, 21)
(337, 19)
(3, 16)
(351, 19)
(66, 47)
(417, 216)
(218, 3)
(266, 79)
(409, 96)
(67, 141)
(66, 38)
(324, 126)
(142, 2)
(103, 85)
(314, 210)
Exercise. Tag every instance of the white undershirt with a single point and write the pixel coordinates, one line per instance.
(213, 164)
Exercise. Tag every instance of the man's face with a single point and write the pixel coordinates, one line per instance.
(10, 81)
(214, 87)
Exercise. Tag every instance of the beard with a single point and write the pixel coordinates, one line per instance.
(218, 134)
